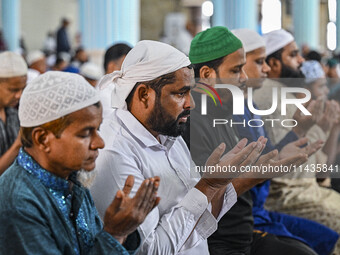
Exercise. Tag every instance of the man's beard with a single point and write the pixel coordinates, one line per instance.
(86, 178)
(163, 123)
(288, 72)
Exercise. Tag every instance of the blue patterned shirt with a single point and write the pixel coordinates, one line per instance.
(41, 213)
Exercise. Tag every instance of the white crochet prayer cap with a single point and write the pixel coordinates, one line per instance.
(145, 62)
(12, 65)
(91, 71)
(53, 95)
(312, 71)
(276, 40)
(34, 56)
(249, 38)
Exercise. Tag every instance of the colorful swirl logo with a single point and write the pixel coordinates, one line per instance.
(209, 93)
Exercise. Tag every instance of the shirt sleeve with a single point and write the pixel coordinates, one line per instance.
(23, 231)
(105, 244)
(182, 227)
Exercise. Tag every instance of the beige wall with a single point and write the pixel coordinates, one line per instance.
(153, 13)
(40, 16)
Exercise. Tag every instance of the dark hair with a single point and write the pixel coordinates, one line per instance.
(314, 55)
(156, 84)
(276, 54)
(115, 52)
(214, 64)
(79, 49)
(55, 126)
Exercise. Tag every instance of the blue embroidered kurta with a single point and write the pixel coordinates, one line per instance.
(41, 213)
(319, 237)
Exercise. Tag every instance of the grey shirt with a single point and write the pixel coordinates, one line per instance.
(9, 130)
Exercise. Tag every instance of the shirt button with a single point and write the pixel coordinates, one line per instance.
(71, 215)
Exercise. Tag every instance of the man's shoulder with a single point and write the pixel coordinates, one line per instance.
(113, 133)
(18, 188)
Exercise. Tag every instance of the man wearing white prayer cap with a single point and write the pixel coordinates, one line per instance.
(44, 209)
(153, 101)
(91, 72)
(256, 69)
(302, 197)
(284, 60)
(36, 60)
(283, 55)
(13, 73)
(255, 48)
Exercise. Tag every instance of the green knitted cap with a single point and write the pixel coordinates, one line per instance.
(213, 43)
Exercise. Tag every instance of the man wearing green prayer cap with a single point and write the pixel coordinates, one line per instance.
(218, 57)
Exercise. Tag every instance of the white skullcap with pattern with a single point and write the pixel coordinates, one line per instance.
(53, 95)
(12, 65)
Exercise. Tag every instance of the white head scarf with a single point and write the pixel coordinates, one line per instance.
(249, 38)
(145, 62)
(53, 95)
(276, 40)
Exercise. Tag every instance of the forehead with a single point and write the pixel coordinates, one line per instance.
(90, 116)
(290, 47)
(184, 78)
(234, 59)
(15, 82)
(257, 53)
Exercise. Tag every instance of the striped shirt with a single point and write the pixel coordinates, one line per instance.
(9, 130)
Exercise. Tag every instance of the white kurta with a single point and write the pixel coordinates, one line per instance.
(182, 221)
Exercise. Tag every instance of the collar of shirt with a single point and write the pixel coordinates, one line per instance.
(48, 179)
(141, 133)
(70, 205)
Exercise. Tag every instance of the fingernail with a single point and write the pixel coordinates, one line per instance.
(147, 182)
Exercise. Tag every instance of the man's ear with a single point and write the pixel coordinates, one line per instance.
(111, 66)
(207, 72)
(143, 94)
(42, 139)
(275, 65)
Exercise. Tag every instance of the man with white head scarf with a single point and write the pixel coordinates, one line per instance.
(13, 75)
(43, 207)
(152, 94)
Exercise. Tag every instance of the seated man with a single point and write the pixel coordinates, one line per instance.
(43, 208)
(280, 224)
(152, 94)
(218, 58)
(13, 74)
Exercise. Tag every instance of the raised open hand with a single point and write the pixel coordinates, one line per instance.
(224, 168)
(125, 214)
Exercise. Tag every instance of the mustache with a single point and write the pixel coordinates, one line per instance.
(184, 113)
